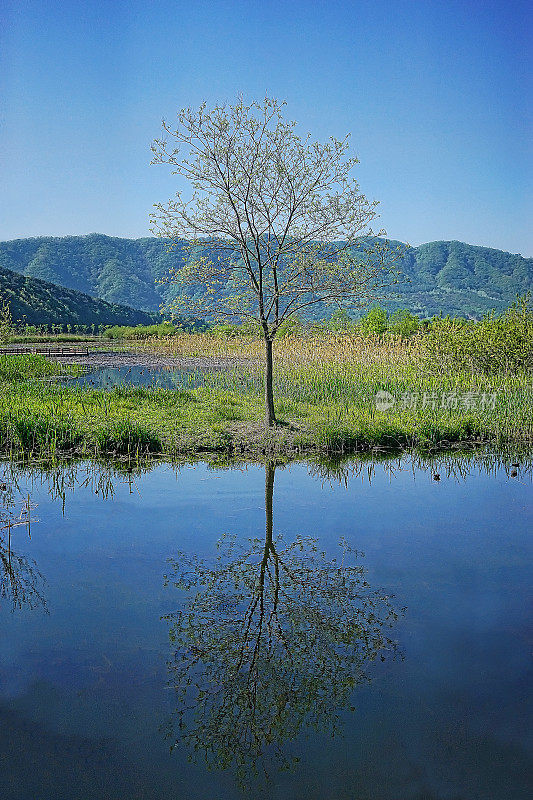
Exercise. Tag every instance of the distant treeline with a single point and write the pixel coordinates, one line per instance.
(56, 329)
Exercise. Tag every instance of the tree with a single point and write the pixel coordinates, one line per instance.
(374, 321)
(275, 223)
(6, 322)
(271, 639)
(403, 323)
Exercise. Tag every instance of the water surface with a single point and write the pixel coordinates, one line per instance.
(94, 654)
(135, 375)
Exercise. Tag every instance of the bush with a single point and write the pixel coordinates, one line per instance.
(141, 331)
(404, 324)
(374, 322)
(497, 343)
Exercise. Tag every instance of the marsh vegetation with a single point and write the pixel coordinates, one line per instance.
(454, 382)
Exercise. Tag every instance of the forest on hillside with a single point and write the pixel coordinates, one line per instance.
(36, 302)
(440, 277)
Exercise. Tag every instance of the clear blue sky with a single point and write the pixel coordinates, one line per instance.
(436, 94)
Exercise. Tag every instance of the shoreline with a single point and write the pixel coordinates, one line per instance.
(40, 417)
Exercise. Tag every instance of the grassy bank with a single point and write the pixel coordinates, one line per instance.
(28, 367)
(326, 399)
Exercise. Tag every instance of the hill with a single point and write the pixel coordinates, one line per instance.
(39, 302)
(451, 277)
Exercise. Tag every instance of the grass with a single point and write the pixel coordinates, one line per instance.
(26, 367)
(325, 388)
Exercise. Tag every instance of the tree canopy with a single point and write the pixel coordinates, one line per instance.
(276, 223)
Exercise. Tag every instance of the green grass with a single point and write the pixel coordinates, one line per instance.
(26, 367)
(325, 408)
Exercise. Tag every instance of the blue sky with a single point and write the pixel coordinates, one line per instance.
(436, 94)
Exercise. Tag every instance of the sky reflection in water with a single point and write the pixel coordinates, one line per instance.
(88, 683)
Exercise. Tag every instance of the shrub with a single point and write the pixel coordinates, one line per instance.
(404, 324)
(374, 322)
(141, 331)
(497, 343)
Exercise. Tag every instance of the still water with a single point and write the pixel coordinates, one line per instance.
(139, 659)
(135, 375)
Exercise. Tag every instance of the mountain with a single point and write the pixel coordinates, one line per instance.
(39, 302)
(451, 277)
(462, 279)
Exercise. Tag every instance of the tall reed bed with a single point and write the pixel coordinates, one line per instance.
(301, 349)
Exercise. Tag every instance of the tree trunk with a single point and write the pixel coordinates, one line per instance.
(270, 471)
(270, 550)
(270, 416)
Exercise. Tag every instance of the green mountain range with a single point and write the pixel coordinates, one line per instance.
(38, 302)
(449, 277)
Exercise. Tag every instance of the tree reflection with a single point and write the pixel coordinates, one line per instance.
(20, 580)
(272, 639)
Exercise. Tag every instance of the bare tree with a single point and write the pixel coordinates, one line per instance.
(275, 223)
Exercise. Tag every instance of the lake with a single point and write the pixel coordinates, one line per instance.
(149, 649)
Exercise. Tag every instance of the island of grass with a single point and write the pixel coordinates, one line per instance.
(336, 392)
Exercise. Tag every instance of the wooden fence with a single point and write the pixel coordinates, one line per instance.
(51, 352)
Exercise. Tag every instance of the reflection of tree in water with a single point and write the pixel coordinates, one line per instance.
(272, 638)
(19, 577)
